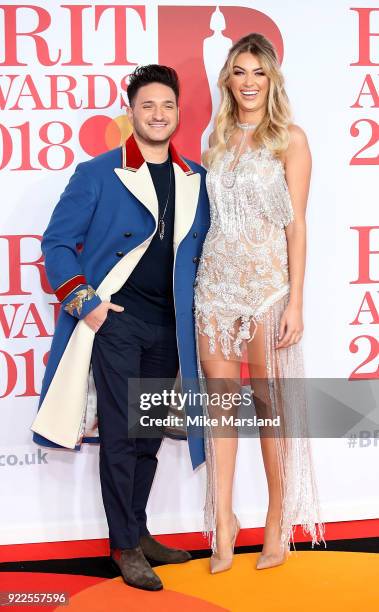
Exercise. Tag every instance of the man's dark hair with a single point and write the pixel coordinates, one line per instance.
(153, 73)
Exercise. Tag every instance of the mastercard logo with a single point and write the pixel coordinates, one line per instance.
(101, 133)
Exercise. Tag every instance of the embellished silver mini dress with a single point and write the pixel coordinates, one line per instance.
(243, 270)
(243, 282)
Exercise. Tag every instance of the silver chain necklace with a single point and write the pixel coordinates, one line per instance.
(228, 177)
(161, 223)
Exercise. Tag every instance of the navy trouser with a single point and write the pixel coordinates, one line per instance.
(127, 347)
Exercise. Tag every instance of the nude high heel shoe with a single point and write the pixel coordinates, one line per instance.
(218, 564)
(266, 561)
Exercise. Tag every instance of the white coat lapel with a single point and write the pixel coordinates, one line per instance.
(187, 189)
(140, 184)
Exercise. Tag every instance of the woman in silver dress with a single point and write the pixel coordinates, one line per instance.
(248, 297)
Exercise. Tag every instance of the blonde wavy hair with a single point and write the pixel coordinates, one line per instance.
(272, 131)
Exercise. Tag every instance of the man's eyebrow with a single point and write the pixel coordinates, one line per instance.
(152, 102)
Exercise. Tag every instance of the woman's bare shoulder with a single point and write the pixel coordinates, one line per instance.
(297, 144)
(298, 137)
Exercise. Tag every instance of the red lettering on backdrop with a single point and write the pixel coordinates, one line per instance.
(16, 265)
(365, 342)
(175, 48)
(92, 88)
(33, 313)
(75, 43)
(364, 254)
(185, 54)
(68, 153)
(26, 137)
(12, 94)
(6, 325)
(3, 98)
(373, 346)
(76, 26)
(11, 35)
(371, 92)
(373, 139)
(364, 36)
(371, 308)
(10, 329)
(29, 90)
(11, 373)
(55, 89)
(22, 365)
(365, 47)
(120, 58)
(29, 374)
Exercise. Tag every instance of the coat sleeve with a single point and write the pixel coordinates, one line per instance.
(66, 230)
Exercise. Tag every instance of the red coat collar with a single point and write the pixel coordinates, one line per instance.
(132, 158)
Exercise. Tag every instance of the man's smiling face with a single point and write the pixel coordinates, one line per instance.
(154, 113)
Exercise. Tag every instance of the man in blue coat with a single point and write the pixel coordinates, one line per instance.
(121, 253)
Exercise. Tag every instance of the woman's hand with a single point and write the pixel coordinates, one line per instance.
(291, 326)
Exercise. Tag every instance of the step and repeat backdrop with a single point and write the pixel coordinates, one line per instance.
(63, 80)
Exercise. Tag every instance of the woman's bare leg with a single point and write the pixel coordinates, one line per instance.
(223, 375)
(259, 383)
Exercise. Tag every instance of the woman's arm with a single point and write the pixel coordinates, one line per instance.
(298, 164)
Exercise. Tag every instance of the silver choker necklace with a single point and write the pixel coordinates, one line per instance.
(246, 126)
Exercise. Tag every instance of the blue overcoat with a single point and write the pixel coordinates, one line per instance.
(100, 228)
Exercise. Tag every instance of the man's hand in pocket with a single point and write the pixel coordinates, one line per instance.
(97, 316)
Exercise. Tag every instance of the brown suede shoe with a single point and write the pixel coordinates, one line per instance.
(155, 551)
(135, 569)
